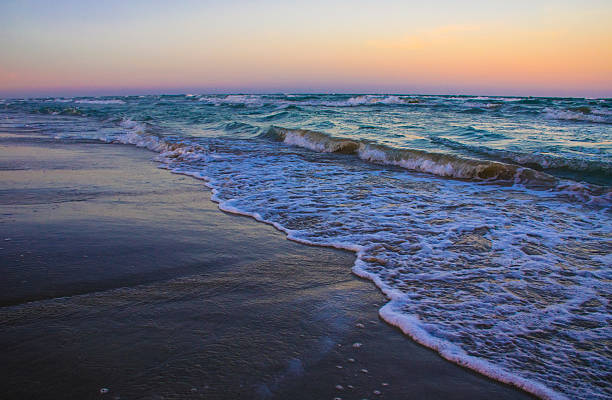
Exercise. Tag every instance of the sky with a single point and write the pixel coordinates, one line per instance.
(535, 47)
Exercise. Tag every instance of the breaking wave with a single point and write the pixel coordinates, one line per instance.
(440, 164)
(531, 160)
(260, 101)
(96, 101)
(445, 165)
(580, 114)
(235, 100)
(74, 111)
(367, 100)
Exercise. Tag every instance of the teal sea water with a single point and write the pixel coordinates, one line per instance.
(485, 220)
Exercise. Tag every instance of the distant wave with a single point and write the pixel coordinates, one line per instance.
(234, 99)
(464, 104)
(96, 101)
(60, 111)
(240, 127)
(60, 100)
(583, 114)
(259, 101)
(93, 100)
(572, 110)
(275, 116)
(365, 100)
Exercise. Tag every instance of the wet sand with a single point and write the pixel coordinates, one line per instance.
(120, 275)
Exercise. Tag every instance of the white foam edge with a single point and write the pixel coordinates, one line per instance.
(225, 206)
(411, 327)
(408, 324)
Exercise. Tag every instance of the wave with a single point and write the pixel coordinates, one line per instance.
(533, 100)
(133, 126)
(275, 116)
(579, 114)
(240, 127)
(411, 326)
(531, 160)
(74, 111)
(94, 101)
(445, 165)
(473, 110)
(313, 140)
(364, 100)
(290, 107)
(235, 100)
(83, 101)
(476, 132)
(354, 101)
(60, 100)
(501, 99)
(466, 104)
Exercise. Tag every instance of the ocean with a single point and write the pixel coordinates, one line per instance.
(484, 220)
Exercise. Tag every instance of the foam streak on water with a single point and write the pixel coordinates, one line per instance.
(493, 244)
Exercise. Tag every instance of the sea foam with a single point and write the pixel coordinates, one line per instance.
(434, 253)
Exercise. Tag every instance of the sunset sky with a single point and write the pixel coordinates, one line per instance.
(550, 48)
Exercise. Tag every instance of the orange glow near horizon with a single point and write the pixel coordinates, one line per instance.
(557, 52)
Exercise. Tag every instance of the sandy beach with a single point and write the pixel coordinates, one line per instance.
(122, 280)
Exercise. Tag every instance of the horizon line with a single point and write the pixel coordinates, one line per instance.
(180, 92)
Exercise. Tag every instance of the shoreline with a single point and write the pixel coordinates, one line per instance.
(285, 377)
(407, 325)
(403, 323)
